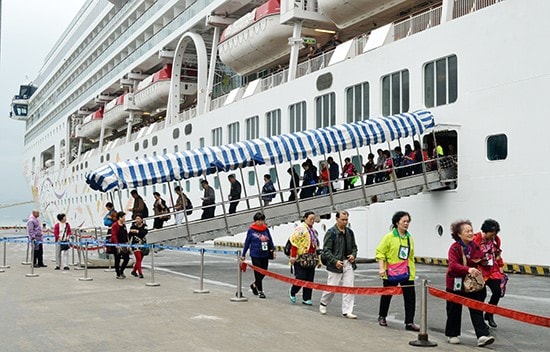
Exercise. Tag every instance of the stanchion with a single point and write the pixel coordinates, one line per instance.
(32, 274)
(26, 262)
(72, 254)
(202, 290)
(239, 295)
(110, 270)
(4, 266)
(152, 283)
(85, 278)
(422, 340)
(78, 244)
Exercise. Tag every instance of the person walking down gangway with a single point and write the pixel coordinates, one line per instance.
(259, 241)
(464, 257)
(339, 253)
(62, 233)
(138, 231)
(119, 236)
(303, 257)
(395, 256)
(234, 193)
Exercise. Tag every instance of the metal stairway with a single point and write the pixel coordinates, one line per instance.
(281, 213)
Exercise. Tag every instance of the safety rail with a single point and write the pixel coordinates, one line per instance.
(465, 7)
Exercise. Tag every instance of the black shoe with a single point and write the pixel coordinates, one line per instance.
(382, 321)
(490, 320)
(141, 276)
(134, 274)
(43, 266)
(412, 327)
(262, 295)
(56, 268)
(36, 266)
(254, 289)
(66, 268)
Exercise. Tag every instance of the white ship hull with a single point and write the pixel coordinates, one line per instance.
(501, 76)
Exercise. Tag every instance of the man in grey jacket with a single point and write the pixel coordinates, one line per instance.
(209, 198)
(339, 253)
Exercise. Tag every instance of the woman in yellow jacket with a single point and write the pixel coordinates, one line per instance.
(303, 256)
(395, 256)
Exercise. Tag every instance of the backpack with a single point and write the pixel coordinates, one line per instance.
(288, 248)
(145, 211)
(189, 206)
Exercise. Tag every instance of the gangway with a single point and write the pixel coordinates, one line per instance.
(195, 231)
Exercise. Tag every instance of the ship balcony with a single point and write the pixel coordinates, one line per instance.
(19, 107)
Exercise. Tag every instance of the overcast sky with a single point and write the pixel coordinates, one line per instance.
(30, 28)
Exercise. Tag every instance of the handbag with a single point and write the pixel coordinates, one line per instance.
(64, 246)
(398, 272)
(165, 217)
(471, 283)
(307, 260)
(145, 249)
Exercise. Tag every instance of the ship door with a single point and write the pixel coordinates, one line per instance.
(443, 145)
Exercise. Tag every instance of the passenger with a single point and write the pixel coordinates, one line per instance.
(398, 162)
(259, 240)
(159, 208)
(492, 264)
(395, 256)
(464, 256)
(268, 190)
(139, 207)
(303, 256)
(119, 236)
(324, 180)
(348, 171)
(182, 202)
(110, 217)
(332, 43)
(334, 171)
(294, 183)
(408, 160)
(234, 193)
(388, 166)
(313, 170)
(34, 232)
(380, 165)
(308, 182)
(369, 169)
(62, 233)
(339, 253)
(208, 200)
(418, 158)
(138, 231)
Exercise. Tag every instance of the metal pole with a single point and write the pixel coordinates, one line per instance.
(4, 266)
(393, 173)
(72, 250)
(32, 274)
(85, 278)
(331, 194)
(26, 262)
(244, 188)
(259, 189)
(422, 340)
(152, 283)
(239, 295)
(361, 175)
(110, 270)
(223, 201)
(279, 184)
(78, 242)
(202, 290)
(296, 195)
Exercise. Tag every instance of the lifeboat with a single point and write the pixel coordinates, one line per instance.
(91, 126)
(152, 92)
(345, 13)
(115, 114)
(258, 39)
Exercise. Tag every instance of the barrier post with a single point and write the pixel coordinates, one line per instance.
(85, 278)
(110, 258)
(239, 295)
(32, 274)
(201, 289)
(78, 244)
(422, 340)
(4, 266)
(152, 283)
(26, 262)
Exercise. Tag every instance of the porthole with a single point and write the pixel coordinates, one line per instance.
(176, 133)
(136, 147)
(439, 230)
(108, 157)
(154, 140)
(188, 129)
(101, 159)
(145, 143)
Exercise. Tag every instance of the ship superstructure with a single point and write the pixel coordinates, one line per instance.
(136, 79)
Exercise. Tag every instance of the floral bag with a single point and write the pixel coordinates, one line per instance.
(308, 260)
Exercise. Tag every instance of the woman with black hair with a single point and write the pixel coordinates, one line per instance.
(119, 235)
(259, 240)
(395, 256)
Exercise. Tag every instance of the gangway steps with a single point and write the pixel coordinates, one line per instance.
(282, 213)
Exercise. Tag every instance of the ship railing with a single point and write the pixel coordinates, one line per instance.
(418, 23)
(403, 180)
(465, 7)
(187, 115)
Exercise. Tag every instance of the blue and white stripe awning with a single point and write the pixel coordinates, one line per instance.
(272, 150)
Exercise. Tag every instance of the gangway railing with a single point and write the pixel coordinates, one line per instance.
(437, 174)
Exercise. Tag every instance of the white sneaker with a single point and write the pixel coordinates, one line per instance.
(350, 316)
(323, 309)
(485, 340)
(454, 340)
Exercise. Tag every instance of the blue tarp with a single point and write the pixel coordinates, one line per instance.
(270, 150)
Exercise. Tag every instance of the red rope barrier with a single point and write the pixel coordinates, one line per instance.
(394, 290)
(489, 308)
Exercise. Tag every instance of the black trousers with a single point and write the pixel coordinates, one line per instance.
(208, 212)
(348, 184)
(454, 315)
(496, 292)
(158, 223)
(258, 278)
(409, 300)
(233, 207)
(306, 274)
(119, 267)
(38, 255)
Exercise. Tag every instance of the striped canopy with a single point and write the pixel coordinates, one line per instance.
(272, 150)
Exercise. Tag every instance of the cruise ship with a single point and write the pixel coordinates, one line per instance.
(136, 91)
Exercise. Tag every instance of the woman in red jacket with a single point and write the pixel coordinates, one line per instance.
(119, 235)
(62, 233)
(464, 257)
